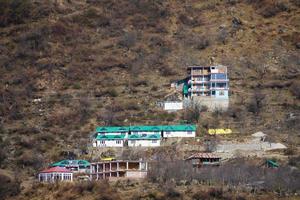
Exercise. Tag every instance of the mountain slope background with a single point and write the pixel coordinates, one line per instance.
(67, 66)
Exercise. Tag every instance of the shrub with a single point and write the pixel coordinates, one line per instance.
(29, 159)
(112, 92)
(8, 187)
(216, 193)
(222, 35)
(91, 17)
(128, 40)
(167, 71)
(14, 11)
(271, 9)
(172, 193)
(256, 102)
(295, 89)
(189, 21)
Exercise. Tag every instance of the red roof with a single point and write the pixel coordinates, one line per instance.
(56, 169)
(203, 155)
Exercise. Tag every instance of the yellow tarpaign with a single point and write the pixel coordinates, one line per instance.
(219, 131)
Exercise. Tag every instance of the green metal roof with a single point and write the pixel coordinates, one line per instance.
(144, 137)
(180, 127)
(272, 163)
(110, 137)
(64, 163)
(112, 129)
(145, 128)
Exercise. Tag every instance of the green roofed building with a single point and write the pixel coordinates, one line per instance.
(186, 130)
(110, 140)
(73, 165)
(140, 135)
(145, 140)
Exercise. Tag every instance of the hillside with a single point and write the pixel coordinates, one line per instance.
(67, 66)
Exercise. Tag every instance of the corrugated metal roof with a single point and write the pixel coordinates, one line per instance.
(64, 163)
(203, 155)
(56, 169)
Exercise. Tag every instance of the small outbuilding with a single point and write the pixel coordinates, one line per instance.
(55, 174)
(201, 159)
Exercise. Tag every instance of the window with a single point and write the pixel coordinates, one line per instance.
(213, 92)
(118, 141)
(189, 132)
(220, 76)
(154, 141)
(102, 142)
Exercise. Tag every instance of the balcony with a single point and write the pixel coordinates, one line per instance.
(219, 80)
(201, 89)
(205, 80)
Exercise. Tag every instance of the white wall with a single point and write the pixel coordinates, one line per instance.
(175, 105)
(110, 143)
(145, 132)
(167, 134)
(143, 143)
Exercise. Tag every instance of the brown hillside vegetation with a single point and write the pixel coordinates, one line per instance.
(67, 66)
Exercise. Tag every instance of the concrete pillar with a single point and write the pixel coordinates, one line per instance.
(62, 176)
(126, 165)
(118, 166)
(110, 166)
(146, 166)
(97, 172)
(103, 169)
(71, 176)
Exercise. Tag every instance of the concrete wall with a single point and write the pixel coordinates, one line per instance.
(110, 143)
(143, 143)
(173, 106)
(211, 103)
(136, 174)
(167, 134)
(220, 92)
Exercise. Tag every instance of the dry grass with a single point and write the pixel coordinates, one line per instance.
(109, 62)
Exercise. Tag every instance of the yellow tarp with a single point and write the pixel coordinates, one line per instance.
(108, 159)
(219, 131)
